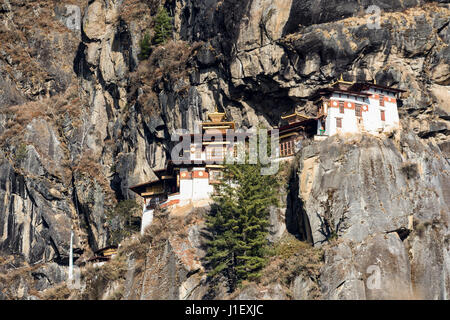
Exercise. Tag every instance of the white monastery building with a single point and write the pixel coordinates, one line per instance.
(357, 107)
(192, 180)
(345, 107)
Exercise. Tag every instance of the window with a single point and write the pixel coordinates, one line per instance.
(381, 101)
(215, 154)
(290, 147)
(287, 148)
(341, 106)
(198, 153)
(235, 151)
(358, 112)
(338, 122)
(383, 115)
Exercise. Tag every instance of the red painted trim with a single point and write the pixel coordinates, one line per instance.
(185, 175)
(170, 203)
(200, 175)
(389, 99)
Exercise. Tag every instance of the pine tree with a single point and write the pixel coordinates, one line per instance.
(163, 26)
(145, 46)
(123, 220)
(239, 223)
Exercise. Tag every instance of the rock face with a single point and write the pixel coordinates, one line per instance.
(386, 203)
(82, 119)
(172, 261)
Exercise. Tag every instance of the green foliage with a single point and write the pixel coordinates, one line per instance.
(145, 46)
(21, 152)
(123, 220)
(239, 223)
(163, 26)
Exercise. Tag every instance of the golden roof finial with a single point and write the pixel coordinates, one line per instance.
(216, 116)
(374, 81)
(342, 77)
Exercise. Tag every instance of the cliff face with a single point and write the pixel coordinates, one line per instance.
(368, 193)
(82, 119)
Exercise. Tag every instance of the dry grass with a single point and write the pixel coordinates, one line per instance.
(290, 258)
(34, 23)
(52, 109)
(138, 10)
(90, 169)
(12, 278)
(136, 247)
(59, 292)
(168, 64)
(97, 279)
(34, 44)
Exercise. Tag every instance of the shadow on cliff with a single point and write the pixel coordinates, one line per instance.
(296, 218)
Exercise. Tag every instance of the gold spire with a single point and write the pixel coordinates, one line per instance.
(216, 116)
(341, 80)
(216, 121)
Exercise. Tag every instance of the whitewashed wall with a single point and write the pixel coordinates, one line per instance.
(371, 119)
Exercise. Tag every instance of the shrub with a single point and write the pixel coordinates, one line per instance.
(123, 220)
(145, 46)
(290, 258)
(21, 152)
(163, 27)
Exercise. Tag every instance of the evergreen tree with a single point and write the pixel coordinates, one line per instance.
(145, 46)
(239, 222)
(123, 221)
(163, 26)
